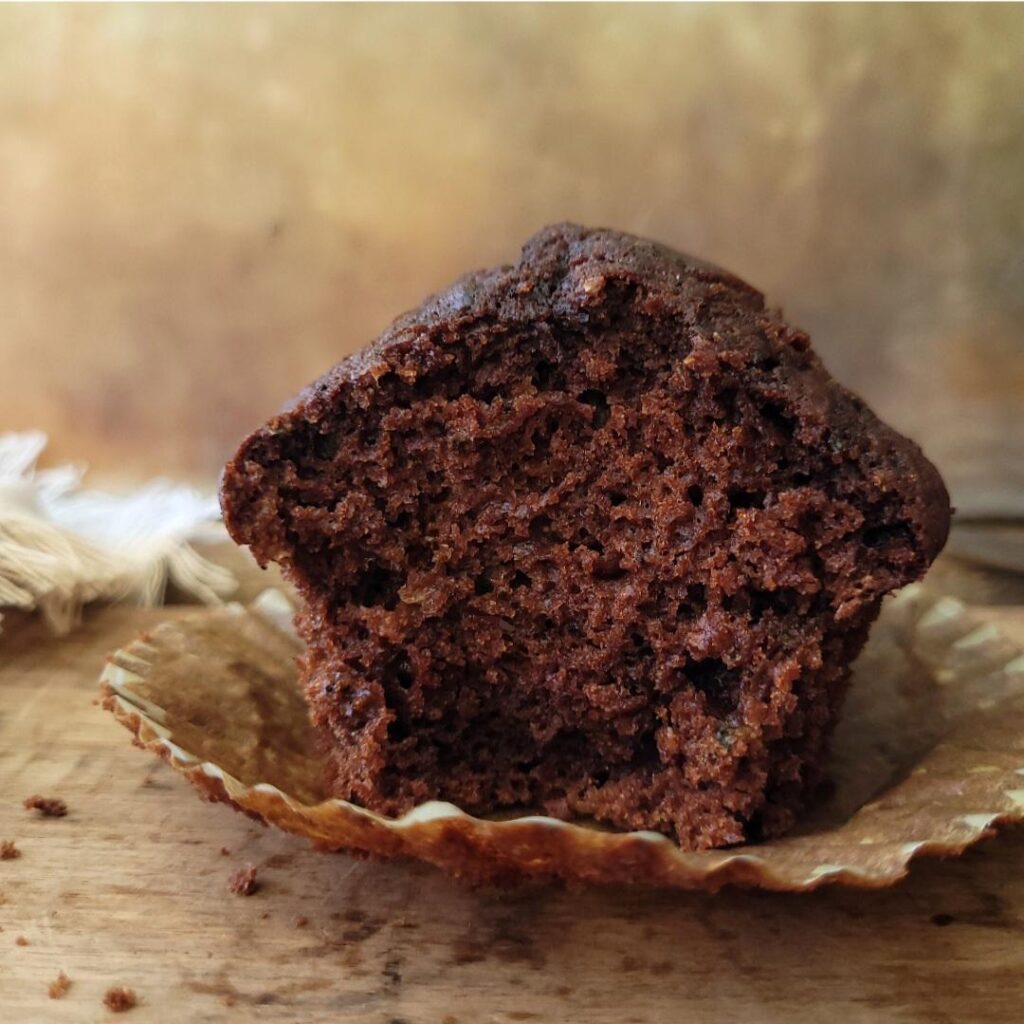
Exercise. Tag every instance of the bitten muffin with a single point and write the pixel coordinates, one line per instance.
(595, 534)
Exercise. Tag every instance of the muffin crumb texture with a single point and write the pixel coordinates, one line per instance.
(243, 882)
(120, 999)
(60, 986)
(595, 534)
(47, 806)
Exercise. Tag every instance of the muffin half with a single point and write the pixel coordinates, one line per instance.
(595, 533)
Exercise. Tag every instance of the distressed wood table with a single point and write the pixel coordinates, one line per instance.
(131, 888)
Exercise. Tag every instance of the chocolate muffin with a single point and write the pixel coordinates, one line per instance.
(595, 534)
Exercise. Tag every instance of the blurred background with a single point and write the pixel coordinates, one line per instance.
(203, 208)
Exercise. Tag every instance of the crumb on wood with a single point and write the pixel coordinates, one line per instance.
(59, 987)
(301, 921)
(48, 806)
(119, 999)
(225, 852)
(243, 881)
(8, 851)
(228, 1000)
(21, 941)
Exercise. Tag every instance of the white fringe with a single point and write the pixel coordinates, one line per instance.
(61, 547)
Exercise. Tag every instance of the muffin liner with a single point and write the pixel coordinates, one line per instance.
(928, 758)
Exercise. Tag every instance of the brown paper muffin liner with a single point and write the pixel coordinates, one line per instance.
(928, 758)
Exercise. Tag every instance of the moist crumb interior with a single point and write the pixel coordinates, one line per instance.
(607, 568)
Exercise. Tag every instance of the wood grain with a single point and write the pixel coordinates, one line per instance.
(131, 888)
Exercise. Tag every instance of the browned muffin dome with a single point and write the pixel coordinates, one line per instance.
(595, 533)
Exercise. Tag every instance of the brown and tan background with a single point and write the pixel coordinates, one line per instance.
(202, 208)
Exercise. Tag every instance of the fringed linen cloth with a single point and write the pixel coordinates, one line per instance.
(61, 546)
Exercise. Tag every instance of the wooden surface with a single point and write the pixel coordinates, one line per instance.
(204, 207)
(131, 888)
